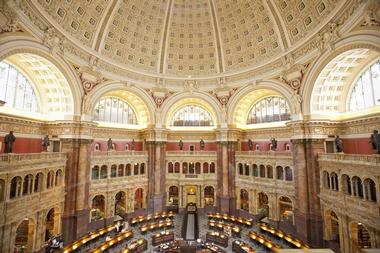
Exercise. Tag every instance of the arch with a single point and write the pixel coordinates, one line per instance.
(346, 184)
(120, 203)
(170, 167)
(142, 168)
(212, 167)
(98, 205)
(50, 179)
(331, 226)
(240, 167)
(205, 168)
(246, 169)
(25, 235)
(173, 195)
(370, 190)
(357, 41)
(114, 110)
(25, 47)
(242, 101)
(15, 190)
(288, 174)
(135, 169)
(255, 170)
(280, 173)
(209, 196)
(113, 170)
(39, 182)
(202, 99)
(197, 168)
(184, 168)
(128, 170)
(357, 186)
(176, 167)
(262, 170)
(334, 181)
(244, 200)
(263, 204)
(139, 100)
(285, 207)
(360, 236)
(58, 178)
(191, 115)
(120, 170)
(27, 186)
(139, 198)
(272, 108)
(326, 180)
(52, 224)
(191, 168)
(269, 171)
(97, 147)
(103, 172)
(95, 172)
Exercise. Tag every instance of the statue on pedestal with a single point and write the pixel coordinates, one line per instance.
(109, 145)
(133, 145)
(250, 145)
(274, 144)
(8, 140)
(46, 142)
(180, 144)
(375, 140)
(202, 144)
(338, 144)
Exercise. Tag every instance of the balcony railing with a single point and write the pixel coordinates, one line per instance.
(119, 153)
(349, 158)
(191, 153)
(264, 153)
(8, 158)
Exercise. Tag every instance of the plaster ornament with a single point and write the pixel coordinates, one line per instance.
(8, 21)
(371, 18)
(191, 85)
(53, 41)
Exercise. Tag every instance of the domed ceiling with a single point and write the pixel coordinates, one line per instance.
(182, 38)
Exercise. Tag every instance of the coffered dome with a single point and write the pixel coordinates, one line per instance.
(182, 38)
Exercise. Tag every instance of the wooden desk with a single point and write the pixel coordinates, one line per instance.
(287, 237)
(218, 238)
(231, 218)
(162, 238)
(235, 230)
(151, 217)
(115, 240)
(241, 247)
(156, 225)
(265, 242)
(137, 246)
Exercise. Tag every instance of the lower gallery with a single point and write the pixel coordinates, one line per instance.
(189, 126)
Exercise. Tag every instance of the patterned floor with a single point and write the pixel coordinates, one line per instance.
(203, 229)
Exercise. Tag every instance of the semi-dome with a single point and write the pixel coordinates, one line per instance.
(182, 38)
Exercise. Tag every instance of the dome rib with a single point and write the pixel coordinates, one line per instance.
(164, 39)
(218, 41)
(279, 21)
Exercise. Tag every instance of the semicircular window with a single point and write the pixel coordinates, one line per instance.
(269, 109)
(192, 116)
(114, 110)
(16, 90)
(366, 92)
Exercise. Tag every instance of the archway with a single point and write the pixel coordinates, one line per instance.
(191, 194)
(209, 196)
(139, 198)
(360, 236)
(51, 224)
(286, 209)
(332, 227)
(25, 236)
(263, 206)
(173, 195)
(120, 203)
(244, 200)
(98, 208)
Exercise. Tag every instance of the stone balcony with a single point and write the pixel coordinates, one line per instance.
(19, 160)
(269, 185)
(372, 160)
(190, 177)
(107, 157)
(191, 153)
(269, 154)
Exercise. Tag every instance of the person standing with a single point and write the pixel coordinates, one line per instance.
(9, 139)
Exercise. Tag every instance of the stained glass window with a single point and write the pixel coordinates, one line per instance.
(269, 109)
(192, 115)
(114, 110)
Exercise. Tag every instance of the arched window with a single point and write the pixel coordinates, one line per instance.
(184, 168)
(246, 169)
(136, 169)
(288, 174)
(97, 146)
(95, 173)
(120, 170)
(38, 183)
(326, 180)
(15, 190)
(255, 170)
(142, 169)
(113, 170)
(50, 179)
(103, 172)
(170, 167)
(198, 168)
(192, 115)
(27, 187)
(16, 90)
(176, 167)
(262, 170)
(269, 109)
(370, 190)
(366, 92)
(212, 168)
(244, 200)
(128, 169)
(334, 181)
(58, 177)
(269, 171)
(114, 110)
(357, 187)
(346, 184)
(280, 173)
(2, 190)
(240, 169)
(205, 168)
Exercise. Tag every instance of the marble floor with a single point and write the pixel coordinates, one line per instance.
(203, 229)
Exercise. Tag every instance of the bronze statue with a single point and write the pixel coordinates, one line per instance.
(180, 144)
(46, 142)
(202, 144)
(8, 140)
(274, 144)
(250, 145)
(109, 144)
(133, 145)
(375, 140)
(338, 144)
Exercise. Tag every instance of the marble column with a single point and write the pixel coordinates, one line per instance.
(76, 213)
(307, 214)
